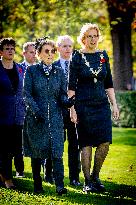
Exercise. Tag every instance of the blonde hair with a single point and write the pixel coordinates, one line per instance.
(85, 28)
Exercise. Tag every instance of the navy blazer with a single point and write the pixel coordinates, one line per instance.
(12, 107)
(65, 110)
(57, 63)
(24, 66)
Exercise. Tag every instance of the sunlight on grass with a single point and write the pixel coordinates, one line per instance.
(118, 175)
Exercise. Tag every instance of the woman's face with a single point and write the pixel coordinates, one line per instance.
(47, 54)
(91, 39)
(8, 52)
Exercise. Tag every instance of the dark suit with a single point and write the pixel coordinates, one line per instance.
(24, 66)
(73, 150)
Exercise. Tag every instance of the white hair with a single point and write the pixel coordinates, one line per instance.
(62, 38)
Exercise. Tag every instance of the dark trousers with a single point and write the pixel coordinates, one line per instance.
(58, 172)
(6, 166)
(73, 152)
(10, 144)
(73, 149)
(18, 155)
(36, 169)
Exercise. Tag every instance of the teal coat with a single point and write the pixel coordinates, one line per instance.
(45, 94)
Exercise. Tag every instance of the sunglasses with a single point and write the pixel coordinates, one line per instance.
(50, 51)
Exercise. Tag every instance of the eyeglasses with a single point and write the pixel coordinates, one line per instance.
(50, 51)
(9, 49)
(91, 37)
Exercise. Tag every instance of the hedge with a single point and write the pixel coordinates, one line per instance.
(127, 105)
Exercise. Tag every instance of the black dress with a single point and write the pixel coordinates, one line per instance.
(89, 76)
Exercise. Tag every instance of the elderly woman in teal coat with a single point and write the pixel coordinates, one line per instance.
(45, 93)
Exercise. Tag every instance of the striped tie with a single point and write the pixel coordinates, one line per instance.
(66, 68)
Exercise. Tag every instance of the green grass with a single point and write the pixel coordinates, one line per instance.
(118, 175)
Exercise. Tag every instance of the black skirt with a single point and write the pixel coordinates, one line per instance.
(94, 124)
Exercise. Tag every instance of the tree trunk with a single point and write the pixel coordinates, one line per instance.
(122, 64)
(120, 20)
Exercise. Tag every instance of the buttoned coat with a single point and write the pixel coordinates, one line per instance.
(44, 94)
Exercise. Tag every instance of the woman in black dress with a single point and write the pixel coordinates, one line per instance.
(90, 81)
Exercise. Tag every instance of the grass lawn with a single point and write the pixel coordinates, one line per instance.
(118, 175)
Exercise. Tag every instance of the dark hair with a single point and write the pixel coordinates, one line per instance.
(40, 42)
(7, 41)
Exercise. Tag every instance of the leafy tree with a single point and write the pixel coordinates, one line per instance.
(26, 20)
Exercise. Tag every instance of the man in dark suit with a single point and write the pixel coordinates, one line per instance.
(65, 49)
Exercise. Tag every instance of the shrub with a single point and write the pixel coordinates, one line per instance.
(127, 105)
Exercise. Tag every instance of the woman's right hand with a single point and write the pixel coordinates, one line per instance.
(73, 115)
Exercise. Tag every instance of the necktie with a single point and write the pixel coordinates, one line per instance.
(66, 68)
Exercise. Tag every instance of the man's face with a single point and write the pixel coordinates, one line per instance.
(30, 54)
(65, 49)
(8, 52)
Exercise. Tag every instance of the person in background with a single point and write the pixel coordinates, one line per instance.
(90, 80)
(65, 48)
(12, 110)
(45, 93)
(29, 54)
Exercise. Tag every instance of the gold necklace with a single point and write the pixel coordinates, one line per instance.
(95, 72)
